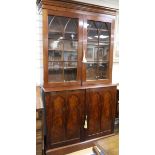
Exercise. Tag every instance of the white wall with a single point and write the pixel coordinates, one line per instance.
(39, 53)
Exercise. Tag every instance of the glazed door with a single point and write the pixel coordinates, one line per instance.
(62, 48)
(100, 111)
(98, 49)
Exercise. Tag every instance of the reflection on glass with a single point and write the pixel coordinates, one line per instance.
(101, 54)
(90, 53)
(55, 55)
(70, 56)
(91, 71)
(62, 48)
(98, 36)
(70, 45)
(55, 71)
(96, 71)
(55, 44)
(70, 71)
(102, 71)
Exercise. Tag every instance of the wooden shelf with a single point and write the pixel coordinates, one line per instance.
(53, 69)
(104, 61)
(96, 45)
(56, 31)
(60, 61)
(62, 50)
(63, 39)
(92, 40)
(93, 29)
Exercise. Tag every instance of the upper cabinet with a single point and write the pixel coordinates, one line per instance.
(77, 44)
(63, 50)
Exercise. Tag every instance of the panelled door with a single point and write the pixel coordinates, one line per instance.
(100, 111)
(55, 118)
(64, 117)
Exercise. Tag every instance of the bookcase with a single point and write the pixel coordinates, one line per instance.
(77, 91)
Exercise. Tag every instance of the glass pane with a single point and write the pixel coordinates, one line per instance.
(101, 54)
(102, 71)
(70, 71)
(70, 45)
(70, 56)
(55, 45)
(71, 26)
(62, 48)
(92, 40)
(55, 55)
(55, 71)
(98, 39)
(90, 53)
(57, 23)
(91, 71)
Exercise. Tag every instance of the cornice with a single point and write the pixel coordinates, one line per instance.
(76, 5)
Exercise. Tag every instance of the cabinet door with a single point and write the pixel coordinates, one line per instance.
(100, 111)
(93, 112)
(64, 117)
(108, 109)
(98, 48)
(62, 50)
(55, 118)
(74, 114)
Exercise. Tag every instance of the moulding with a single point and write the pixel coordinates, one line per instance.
(77, 5)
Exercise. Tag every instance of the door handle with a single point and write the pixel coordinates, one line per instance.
(85, 123)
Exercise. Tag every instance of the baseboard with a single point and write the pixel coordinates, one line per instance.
(76, 147)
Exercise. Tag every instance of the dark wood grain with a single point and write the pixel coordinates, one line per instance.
(106, 110)
(68, 104)
(101, 104)
(83, 13)
(93, 111)
(48, 89)
(64, 117)
(75, 113)
(75, 5)
(78, 146)
(55, 118)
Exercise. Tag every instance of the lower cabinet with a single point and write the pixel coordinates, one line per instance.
(100, 111)
(64, 117)
(78, 115)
